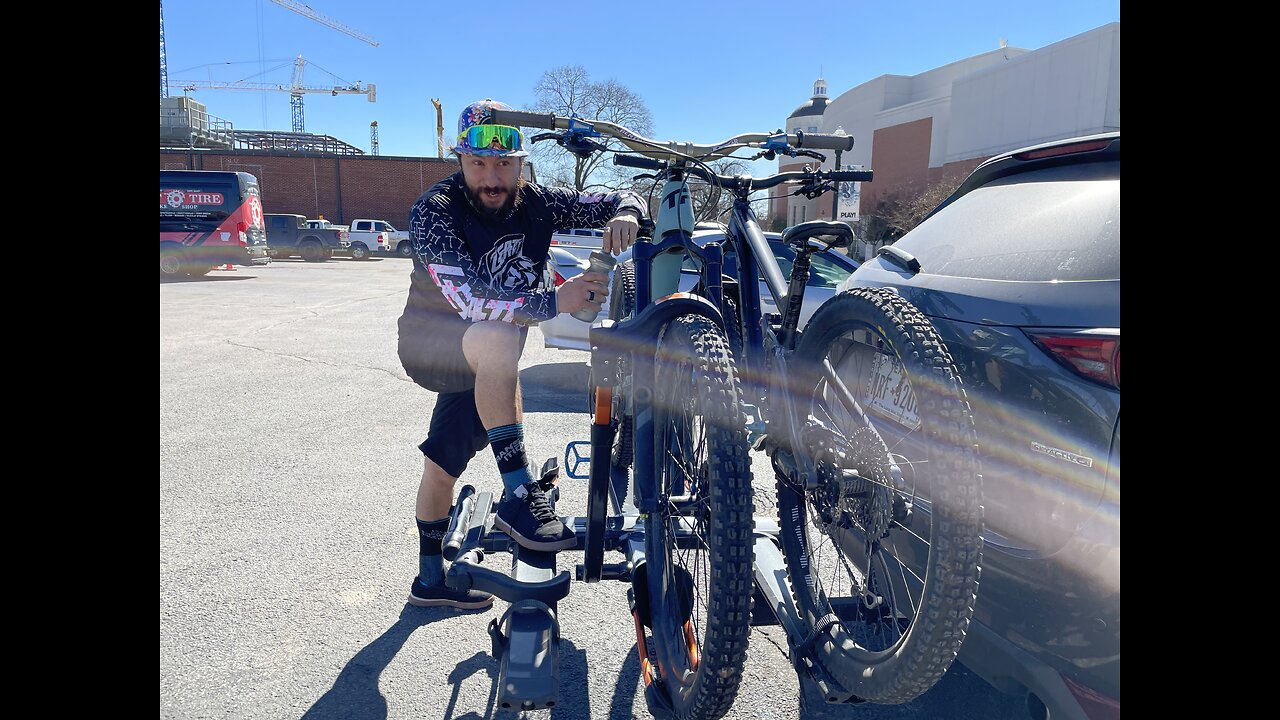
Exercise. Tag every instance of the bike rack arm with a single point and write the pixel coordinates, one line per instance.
(465, 574)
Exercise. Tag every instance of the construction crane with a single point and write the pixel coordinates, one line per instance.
(295, 89)
(164, 61)
(307, 12)
(373, 138)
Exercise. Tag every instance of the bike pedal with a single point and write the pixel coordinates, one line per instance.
(549, 479)
(574, 458)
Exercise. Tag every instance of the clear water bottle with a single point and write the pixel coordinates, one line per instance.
(601, 262)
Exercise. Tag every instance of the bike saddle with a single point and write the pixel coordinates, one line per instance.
(797, 235)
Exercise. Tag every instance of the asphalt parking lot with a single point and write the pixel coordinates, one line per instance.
(288, 467)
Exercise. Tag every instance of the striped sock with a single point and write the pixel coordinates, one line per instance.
(508, 449)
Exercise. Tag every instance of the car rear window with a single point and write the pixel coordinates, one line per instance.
(1055, 224)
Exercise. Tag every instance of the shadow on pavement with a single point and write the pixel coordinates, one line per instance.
(355, 694)
(555, 387)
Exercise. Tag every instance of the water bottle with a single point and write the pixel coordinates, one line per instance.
(601, 262)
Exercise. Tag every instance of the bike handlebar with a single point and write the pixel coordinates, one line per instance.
(639, 162)
(658, 149)
(821, 141)
(736, 182)
(522, 118)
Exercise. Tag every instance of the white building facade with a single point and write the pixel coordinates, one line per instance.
(915, 131)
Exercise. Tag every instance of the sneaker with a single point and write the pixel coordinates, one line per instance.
(529, 518)
(444, 596)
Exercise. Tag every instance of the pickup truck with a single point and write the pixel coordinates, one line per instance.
(322, 223)
(289, 235)
(379, 236)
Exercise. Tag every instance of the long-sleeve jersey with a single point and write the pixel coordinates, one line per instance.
(470, 266)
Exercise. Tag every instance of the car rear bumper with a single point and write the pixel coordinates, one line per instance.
(1014, 671)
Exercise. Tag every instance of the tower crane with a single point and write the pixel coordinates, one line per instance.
(296, 90)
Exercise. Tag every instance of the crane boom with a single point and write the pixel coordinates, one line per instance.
(307, 12)
(355, 89)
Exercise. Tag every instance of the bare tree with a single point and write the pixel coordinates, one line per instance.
(569, 90)
(898, 213)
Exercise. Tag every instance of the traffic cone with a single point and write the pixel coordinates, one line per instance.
(228, 266)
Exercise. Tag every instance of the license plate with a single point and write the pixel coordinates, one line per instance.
(889, 394)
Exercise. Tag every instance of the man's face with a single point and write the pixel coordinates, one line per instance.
(491, 180)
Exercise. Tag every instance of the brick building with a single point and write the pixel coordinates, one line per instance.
(339, 187)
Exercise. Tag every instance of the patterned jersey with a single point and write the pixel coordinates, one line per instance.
(470, 266)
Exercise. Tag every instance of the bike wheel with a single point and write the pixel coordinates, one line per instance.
(883, 553)
(698, 548)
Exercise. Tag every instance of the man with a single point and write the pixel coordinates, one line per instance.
(480, 239)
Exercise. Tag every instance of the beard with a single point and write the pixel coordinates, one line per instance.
(483, 197)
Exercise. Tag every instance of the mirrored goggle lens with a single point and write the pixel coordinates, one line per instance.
(483, 137)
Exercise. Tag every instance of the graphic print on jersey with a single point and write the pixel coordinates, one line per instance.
(507, 265)
(453, 284)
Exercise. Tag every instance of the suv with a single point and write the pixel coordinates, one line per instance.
(1019, 270)
(288, 235)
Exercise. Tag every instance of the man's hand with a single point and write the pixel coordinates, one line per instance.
(621, 231)
(582, 291)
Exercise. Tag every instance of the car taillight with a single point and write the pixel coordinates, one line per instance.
(559, 278)
(1095, 705)
(1069, 149)
(1096, 355)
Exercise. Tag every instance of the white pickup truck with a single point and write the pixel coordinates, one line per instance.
(379, 236)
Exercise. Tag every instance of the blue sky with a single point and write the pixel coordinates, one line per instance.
(706, 70)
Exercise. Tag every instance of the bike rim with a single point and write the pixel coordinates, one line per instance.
(684, 568)
(865, 580)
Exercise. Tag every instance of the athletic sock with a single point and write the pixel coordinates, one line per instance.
(430, 559)
(508, 449)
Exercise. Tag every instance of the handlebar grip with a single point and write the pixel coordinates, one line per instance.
(638, 161)
(522, 118)
(822, 141)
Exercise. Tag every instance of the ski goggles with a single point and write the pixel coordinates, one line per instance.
(480, 138)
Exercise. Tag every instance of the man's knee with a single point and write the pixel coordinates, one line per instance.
(435, 477)
(492, 342)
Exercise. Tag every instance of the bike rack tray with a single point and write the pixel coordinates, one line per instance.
(526, 641)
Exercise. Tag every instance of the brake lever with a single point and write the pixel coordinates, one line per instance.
(545, 136)
(813, 191)
(813, 154)
(580, 146)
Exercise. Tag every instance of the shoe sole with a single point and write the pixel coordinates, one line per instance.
(528, 544)
(442, 602)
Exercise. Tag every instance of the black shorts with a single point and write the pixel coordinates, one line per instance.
(431, 354)
(456, 433)
(434, 360)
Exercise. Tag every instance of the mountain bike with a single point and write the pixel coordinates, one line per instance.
(863, 416)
